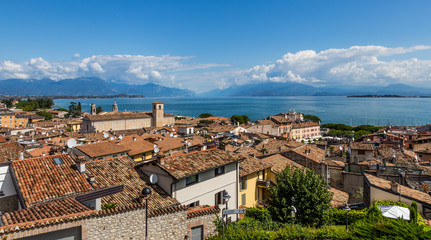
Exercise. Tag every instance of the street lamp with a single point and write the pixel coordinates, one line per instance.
(347, 209)
(146, 193)
(225, 197)
(293, 208)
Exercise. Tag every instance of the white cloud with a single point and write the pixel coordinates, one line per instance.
(351, 66)
(135, 69)
(355, 65)
(76, 55)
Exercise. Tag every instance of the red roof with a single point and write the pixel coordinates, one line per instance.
(41, 179)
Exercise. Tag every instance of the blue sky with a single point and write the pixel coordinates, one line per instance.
(203, 45)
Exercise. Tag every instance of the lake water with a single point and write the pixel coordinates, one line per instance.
(330, 109)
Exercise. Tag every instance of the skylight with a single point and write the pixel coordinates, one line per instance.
(58, 160)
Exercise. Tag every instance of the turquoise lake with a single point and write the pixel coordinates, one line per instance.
(330, 109)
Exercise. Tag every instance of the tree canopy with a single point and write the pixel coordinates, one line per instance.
(99, 109)
(74, 110)
(312, 198)
(47, 115)
(31, 105)
(205, 115)
(311, 118)
(241, 119)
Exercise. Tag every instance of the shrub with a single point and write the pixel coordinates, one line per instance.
(258, 214)
(338, 216)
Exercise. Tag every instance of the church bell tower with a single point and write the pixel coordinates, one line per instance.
(158, 114)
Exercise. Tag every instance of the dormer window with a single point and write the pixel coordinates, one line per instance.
(191, 180)
(58, 161)
(219, 171)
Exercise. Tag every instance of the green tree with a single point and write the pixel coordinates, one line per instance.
(241, 119)
(99, 109)
(312, 198)
(73, 110)
(79, 107)
(8, 102)
(311, 118)
(47, 115)
(205, 115)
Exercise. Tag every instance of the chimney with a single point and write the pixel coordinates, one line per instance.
(395, 187)
(80, 164)
(134, 139)
(21, 155)
(204, 147)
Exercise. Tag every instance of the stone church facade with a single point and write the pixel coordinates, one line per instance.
(116, 120)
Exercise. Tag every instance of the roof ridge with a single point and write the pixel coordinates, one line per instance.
(190, 153)
(49, 156)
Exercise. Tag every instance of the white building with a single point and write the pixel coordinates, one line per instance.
(198, 178)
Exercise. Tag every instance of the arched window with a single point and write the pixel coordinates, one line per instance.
(160, 106)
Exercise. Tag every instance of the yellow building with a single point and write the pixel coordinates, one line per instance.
(139, 149)
(74, 125)
(255, 178)
(11, 120)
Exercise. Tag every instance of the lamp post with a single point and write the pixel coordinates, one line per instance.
(293, 209)
(347, 209)
(225, 197)
(146, 192)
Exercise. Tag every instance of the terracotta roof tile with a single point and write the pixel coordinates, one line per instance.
(361, 146)
(119, 115)
(339, 199)
(56, 208)
(405, 191)
(279, 162)
(101, 149)
(121, 170)
(196, 162)
(41, 179)
(203, 211)
(251, 165)
(2, 140)
(138, 146)
(11, 151)
(422, 148)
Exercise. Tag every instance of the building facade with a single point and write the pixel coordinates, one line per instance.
(127, 120)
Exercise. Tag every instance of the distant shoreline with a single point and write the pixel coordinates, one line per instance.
(386, 96)
(70, 97)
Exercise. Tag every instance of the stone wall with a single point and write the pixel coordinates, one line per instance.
(9, 203)
(129, 225)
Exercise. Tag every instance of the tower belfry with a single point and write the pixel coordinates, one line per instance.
(93, 109)
(115, 107)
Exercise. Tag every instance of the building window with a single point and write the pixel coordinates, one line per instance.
(58, 161)
(243, 200)
(197, 233)
(194, 204)
(191, 180)
(243, 183)
(219, 198)
(261, 175)
(219, 170)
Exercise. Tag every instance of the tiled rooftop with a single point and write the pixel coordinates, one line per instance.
(51, 209)
(339, 199)
(361, 146)
(251, 165)
(41, 179)
(137, 147)
(120, 171)
(197, 162)
(101, 149)
(279, 162)
(405, 191)
(11, 150)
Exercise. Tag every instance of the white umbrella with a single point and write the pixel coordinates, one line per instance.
(395, 212)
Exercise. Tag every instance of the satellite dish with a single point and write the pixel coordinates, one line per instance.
(189, 144)
(173, 129)
(155, 146)
(154, 178)
(111, 138)
(156, 150)
(416, 157)
(171, 135)
(120, 137)
(71, 143)
(105, 135)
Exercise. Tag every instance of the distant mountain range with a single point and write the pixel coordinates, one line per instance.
(86, 87)
(89, 86)
(298, 89)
